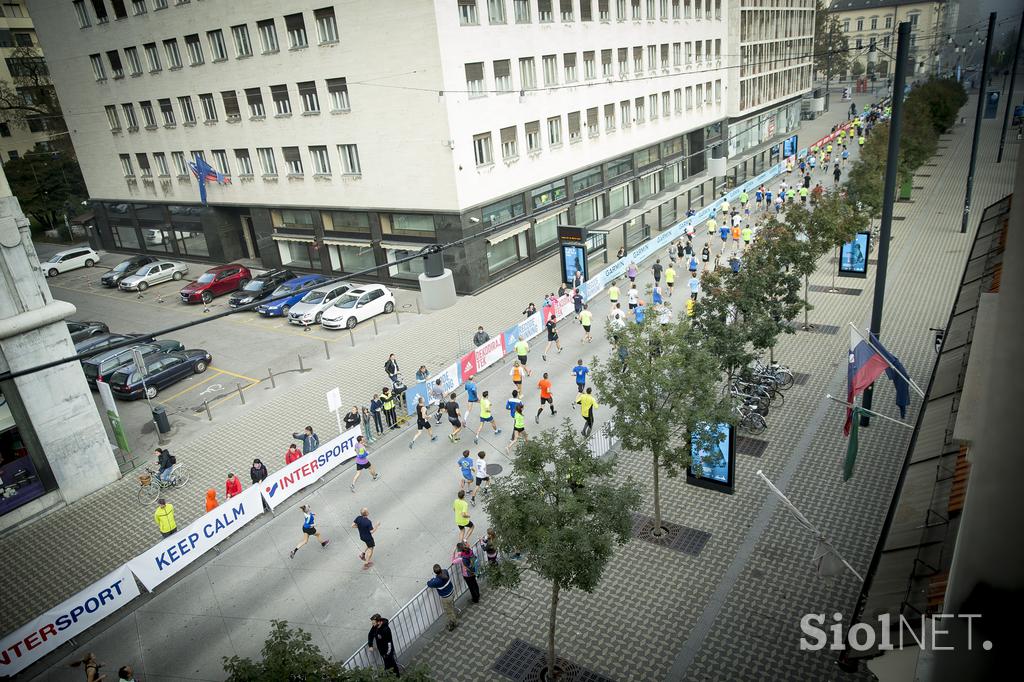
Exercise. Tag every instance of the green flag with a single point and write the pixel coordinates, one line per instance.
(851, 446)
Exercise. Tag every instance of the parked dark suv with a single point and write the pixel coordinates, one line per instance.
(125, 268)
(260, 287)
(222, 279)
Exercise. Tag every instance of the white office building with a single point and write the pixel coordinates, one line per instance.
(355, 133)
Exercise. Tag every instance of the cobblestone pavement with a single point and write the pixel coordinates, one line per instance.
(202, 607)
(733, 612)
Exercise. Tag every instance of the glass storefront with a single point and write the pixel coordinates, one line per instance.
(19, 482)
(297, 254)
(348, 258)
(506, 252)
(192, 242)
(410, 269)
(125, 236)
(407, 224)
(620, 197)
(589, 211)
(545, 231)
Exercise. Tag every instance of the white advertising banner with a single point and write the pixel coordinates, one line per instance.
(177, 551)
(490, 353)
(531, 326)
(308, 469)
(451, 378)
(56, 626)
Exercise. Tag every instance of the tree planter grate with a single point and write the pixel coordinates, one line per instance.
(826, 329)
(800, 378)
(524, 662)
(752, 447)
(846, 291)
(679, 538)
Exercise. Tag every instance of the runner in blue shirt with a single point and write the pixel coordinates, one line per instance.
(758, 198)
(768, 199)
(638, 312)
(694, 287)
(512, 403)
(723, 232)
(471, 396)
(581, 371)
(466, 467)
(308, 530)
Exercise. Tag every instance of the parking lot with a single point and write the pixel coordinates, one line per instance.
(245, 346)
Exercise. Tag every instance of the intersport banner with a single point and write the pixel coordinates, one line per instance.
(175, 552)
(60, 624)
(308, 469)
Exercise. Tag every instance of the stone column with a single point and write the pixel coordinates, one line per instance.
(53, 408)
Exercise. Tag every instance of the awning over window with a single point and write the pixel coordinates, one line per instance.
(292, 238)
(402, 246)
(508, 234)
(346, 242)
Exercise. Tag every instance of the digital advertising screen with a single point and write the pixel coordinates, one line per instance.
(853, 256)
(574, 258)
(789, 147)
(715, 467)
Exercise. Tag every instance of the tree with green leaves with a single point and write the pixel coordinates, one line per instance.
(856, 68)
(289, 654)
(865, 183)
(831, 47)
(561, 511)
(666, 387)
(47, 184)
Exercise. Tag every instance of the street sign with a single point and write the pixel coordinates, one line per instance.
(334, 399)
(140, 362)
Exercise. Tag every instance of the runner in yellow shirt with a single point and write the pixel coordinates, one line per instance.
(586, 319)
(587, 404)
(613, 294)
(670, 279)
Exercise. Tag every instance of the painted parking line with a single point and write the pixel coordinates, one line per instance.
(240, 376)
(192, 387)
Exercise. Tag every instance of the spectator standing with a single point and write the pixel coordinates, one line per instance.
(310, 441)
(232, 487)
(366, 530)
(490, 547)
(531, 310)
(352, 418)
(442, 582)
(481, 337)
(211, 499)
(388, 403)
(164, 517)
(391, 368)
(468, 563)
(362, 462)
(462, 520)
(422, 374)
(308, 529)
(376, 409)
(367, 429)
(379, 638)
(258, 472)
(292, 453)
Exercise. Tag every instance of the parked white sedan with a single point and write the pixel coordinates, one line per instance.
(358, 305)
(154, 273)
(71, 259)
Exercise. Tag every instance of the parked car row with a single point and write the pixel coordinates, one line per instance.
(166, 361)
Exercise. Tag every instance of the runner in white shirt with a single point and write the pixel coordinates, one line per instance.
(665, 314)
(632, 296)
(483, 479)
(737, 220)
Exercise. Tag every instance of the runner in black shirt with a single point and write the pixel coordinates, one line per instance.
(454, 418)
(552, 327)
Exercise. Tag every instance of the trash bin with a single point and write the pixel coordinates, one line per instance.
(163, 424)
(905, 189)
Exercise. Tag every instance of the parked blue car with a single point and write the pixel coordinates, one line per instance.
(281, 307)
(163, 370)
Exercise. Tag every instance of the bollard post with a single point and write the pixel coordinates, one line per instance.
(206, 406)
(352, 338)
(418, 312)
(375, 332)
(327, 350)
(301, 368)
(270, 375)
(241, 396)
(398, 317)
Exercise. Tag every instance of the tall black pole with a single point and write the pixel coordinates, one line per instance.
(892, 163)
(828, 61)
(1009, 96)
(977, 122)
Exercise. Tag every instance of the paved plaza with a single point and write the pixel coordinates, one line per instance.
(729, 613)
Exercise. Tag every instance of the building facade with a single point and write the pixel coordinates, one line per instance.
(348, 149)
(871, 25)
(17, 41)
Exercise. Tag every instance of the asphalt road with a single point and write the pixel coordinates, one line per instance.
(245, 348)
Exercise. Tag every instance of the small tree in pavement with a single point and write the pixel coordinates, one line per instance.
(559, 509)
(667, 385)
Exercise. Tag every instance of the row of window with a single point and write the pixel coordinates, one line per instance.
(873, 22)
(772, 56)
(657, 57)
(628, 112)
(327, 30)
(308, 96)
(319, 158)
(779, 24)
(774, 86)
(119, 7)
(523, 11)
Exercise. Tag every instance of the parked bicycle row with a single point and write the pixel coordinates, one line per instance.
(755, 389)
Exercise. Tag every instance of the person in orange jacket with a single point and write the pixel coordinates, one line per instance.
(233, 486)
(211, 500)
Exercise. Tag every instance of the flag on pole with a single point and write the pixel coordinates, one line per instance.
(204, 173)
(865, 366)
(851, 446)
(896, 373)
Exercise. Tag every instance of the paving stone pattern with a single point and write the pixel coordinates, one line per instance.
(653, 603)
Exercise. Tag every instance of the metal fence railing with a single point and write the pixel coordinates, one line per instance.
(415, 617)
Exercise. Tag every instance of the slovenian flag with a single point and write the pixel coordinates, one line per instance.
(866, 365)
(204, 172)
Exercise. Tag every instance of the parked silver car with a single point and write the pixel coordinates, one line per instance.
(154, 273)
(310, 309)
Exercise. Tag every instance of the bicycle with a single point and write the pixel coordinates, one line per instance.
(780, 374)
(151, 485)
(750, 419)
(761, 401)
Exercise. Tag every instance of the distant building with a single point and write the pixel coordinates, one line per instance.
(17, 33)
(871, 24)
(355, 134)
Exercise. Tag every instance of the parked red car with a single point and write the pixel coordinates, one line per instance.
(222, 279)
